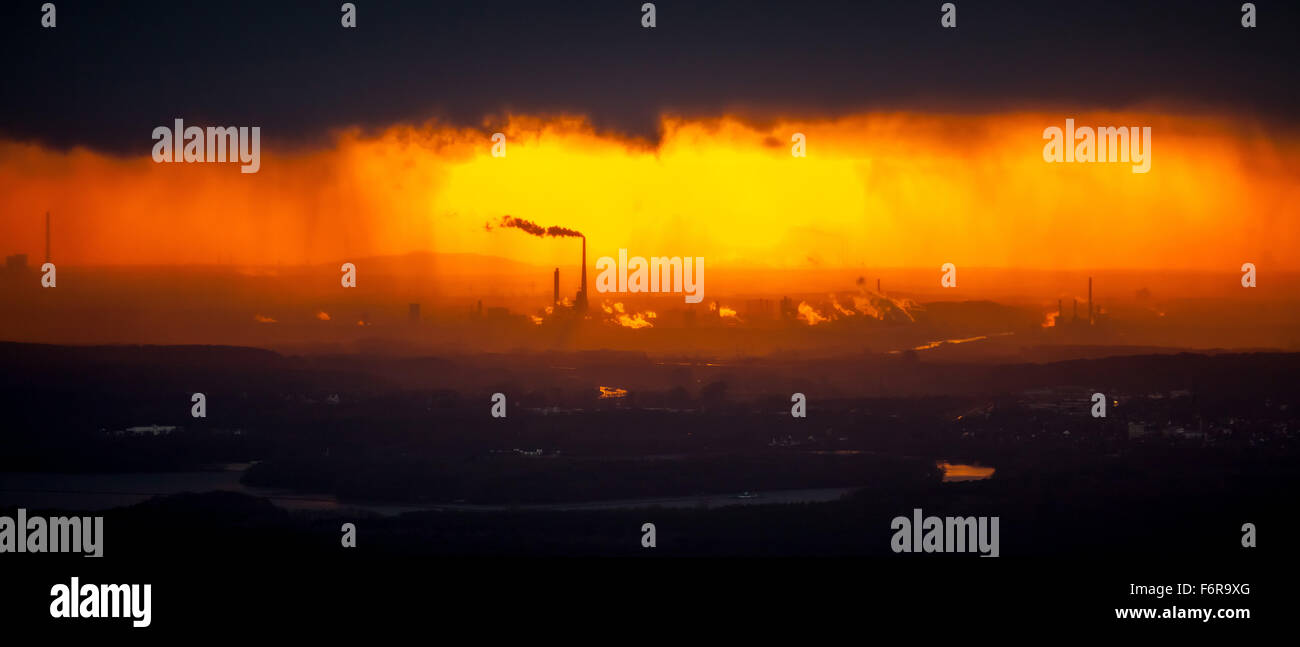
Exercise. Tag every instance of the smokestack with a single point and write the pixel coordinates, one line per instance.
(1089, 300)
(47, 236)
(535, 229)
(555, 294)
(878, 287)
(582, 294)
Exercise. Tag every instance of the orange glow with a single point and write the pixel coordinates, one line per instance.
(619, 315)
(953, 472)
(810, 315)
(886, 190)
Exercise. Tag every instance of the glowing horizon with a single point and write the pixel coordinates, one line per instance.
(883, 189)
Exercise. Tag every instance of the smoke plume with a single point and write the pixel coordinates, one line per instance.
(536, 229)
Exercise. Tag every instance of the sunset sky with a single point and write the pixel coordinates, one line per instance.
(882, 189)
(924, 145)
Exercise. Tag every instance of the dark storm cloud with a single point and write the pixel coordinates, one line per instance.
(109, 73)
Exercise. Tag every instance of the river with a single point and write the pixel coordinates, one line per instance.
(95, 492)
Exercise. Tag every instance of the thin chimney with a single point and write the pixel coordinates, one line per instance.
(555, 295)
(582, 295)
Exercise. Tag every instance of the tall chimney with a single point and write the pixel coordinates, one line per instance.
(47, 236)
(878, 286)
(1089, 300)
(582, 294)
(555, 295)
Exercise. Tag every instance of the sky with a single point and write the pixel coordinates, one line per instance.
(924, 144)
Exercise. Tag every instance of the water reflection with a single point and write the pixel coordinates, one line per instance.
(953, 472)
